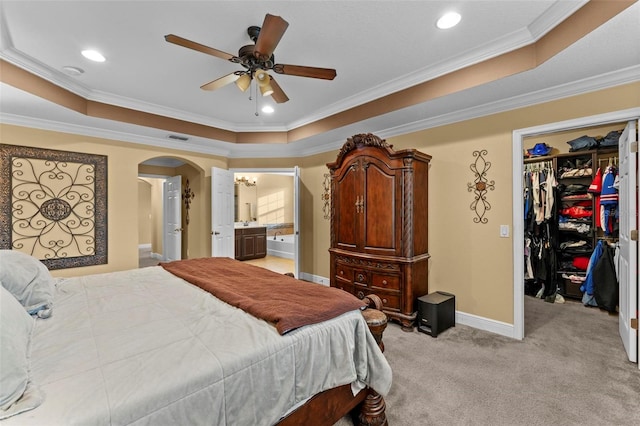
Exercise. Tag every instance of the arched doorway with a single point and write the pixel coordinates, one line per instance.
(172, 209)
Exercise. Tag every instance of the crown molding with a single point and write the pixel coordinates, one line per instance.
(304, 148)
(605, 81)
(551, 17)
(506, 43)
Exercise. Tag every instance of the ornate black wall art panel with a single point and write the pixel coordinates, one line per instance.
(480, 186)
(53, 205)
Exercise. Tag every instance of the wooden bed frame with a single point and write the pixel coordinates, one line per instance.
(326, 408)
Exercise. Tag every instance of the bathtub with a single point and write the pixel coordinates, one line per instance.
(282, 246)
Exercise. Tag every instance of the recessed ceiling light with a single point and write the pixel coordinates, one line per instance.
(268, 109)
(73, 71)
(93, 55)
(448, 20)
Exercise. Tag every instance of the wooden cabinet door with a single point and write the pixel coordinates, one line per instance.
(261, 245)
(347, 186)
(238, 244)
(381, 216)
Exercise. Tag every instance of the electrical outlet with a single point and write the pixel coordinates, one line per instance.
(504, 231)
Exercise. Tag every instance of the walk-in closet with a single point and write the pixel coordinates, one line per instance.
(571, 203)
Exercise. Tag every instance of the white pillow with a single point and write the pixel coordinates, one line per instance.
(15, 333)
(28, 280)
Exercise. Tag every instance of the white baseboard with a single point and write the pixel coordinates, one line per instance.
(314, 278)
(486, 324)
(481, 323)
(144, 246)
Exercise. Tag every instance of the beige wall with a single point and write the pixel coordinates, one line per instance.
(145, 221)
(274, 186)
(468, 259)
(123, 160)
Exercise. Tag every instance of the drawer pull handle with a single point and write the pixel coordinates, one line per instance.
(384, 301)
(360, 295)
(384, 282)
(360, 277)
(341, 272)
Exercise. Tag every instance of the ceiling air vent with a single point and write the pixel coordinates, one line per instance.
(178, 138)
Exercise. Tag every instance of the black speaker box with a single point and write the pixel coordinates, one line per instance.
(436, 312)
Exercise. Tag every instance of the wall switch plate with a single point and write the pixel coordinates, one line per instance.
(504, 231)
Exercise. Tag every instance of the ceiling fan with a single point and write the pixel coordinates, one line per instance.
(257, 59)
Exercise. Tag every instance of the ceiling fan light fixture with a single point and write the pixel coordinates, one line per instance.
(243, 82)
(448, 20)
(266, 90)
(268, 109)
(262, 78)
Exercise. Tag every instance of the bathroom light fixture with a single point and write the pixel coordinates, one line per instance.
(448, 20)
(93, 55)
(247, 181)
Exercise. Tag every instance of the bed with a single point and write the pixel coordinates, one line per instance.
(148, 347)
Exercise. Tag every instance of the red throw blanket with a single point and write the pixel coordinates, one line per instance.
(285, 301)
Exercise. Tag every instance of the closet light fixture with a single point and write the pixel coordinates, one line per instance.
(448, 20)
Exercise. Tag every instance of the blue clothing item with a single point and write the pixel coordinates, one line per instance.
(609, 193)
(582, 143)
(588, 286)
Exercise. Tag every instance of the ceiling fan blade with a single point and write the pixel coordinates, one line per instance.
(171, 38)
(313, 72)
(278, 94)
(222, 81)
(271, 32)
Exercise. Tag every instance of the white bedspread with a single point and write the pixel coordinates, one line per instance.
(145, 347)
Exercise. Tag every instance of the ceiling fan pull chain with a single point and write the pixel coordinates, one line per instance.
(256, 86)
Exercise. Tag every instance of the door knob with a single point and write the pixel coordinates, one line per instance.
(216, 233)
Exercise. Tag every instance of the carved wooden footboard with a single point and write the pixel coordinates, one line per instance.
(326, 408)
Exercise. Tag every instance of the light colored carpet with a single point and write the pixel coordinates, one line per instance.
(571, 369)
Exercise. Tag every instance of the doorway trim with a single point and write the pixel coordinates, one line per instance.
(518, 208)
(289, 171)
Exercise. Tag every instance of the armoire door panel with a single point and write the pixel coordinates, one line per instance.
(380, 220)
(347, 218)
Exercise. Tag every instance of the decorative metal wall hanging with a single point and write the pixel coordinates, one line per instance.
(53, 205)
(188, 196)
(480, 186)
(326, 196)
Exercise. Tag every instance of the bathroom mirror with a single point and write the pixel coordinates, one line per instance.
(245, 198)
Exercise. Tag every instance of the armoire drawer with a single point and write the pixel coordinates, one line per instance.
(360, 276)
(344, 272)
(360, 290)
(391, 282)
(389, 300)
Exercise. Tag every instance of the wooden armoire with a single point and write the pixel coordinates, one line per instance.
(379, 228)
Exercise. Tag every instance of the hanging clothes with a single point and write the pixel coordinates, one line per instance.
(550, 185)
(605, 281)
(596, 188)
(539, 198)
(609, 201)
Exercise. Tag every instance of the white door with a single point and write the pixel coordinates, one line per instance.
(296, 221)
(171, 190)
(222, 230)
(628, 259)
